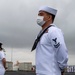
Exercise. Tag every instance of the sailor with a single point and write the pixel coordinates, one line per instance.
(2, 61)
(51, 51)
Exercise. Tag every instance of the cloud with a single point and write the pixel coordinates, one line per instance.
(21, 55)
(18, 26)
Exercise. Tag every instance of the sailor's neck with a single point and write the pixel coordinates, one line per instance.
(46, 25)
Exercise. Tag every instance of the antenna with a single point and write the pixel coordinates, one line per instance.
(11, 54)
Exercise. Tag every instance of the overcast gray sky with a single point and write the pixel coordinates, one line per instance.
(18, 27)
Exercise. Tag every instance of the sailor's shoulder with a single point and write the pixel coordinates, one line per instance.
(53, 28)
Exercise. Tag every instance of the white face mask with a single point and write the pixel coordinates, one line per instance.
(40, 21)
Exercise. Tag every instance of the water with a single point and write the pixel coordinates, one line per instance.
(28, 73)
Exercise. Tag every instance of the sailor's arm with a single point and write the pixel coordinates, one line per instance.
(59, 46)
(3, 60)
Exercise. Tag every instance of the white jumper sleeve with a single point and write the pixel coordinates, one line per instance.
(2, 55)
(59, 46)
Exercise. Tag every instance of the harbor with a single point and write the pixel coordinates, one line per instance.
(26, 68)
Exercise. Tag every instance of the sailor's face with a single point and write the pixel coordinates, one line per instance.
(44, 14)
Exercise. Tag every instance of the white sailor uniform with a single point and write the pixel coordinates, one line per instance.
(51, 53)
(2, 69)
